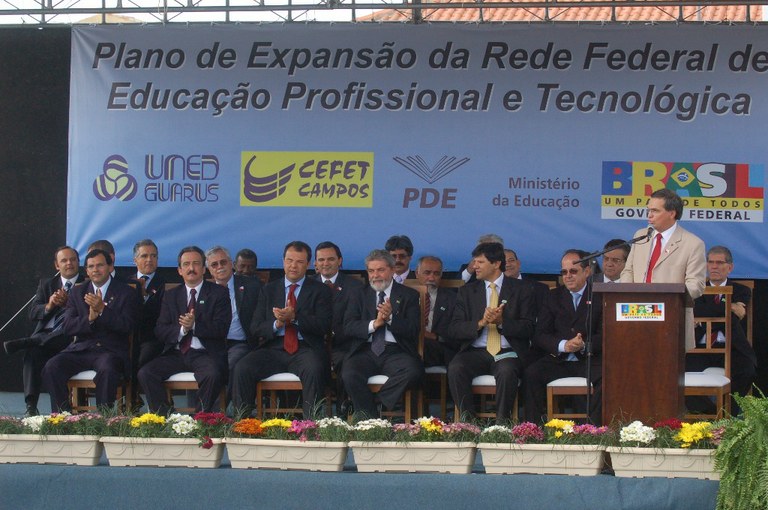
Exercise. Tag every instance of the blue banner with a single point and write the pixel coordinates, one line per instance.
(550, 136)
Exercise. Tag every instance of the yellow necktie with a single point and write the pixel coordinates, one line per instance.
(493, 342)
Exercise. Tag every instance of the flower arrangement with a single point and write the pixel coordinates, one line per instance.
(203, 426)
(326, 429)
(85, 424)
(671, 433)
(567, 432)
(424, 429)
(522, 433)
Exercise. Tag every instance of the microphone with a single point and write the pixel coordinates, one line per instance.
(650, 233)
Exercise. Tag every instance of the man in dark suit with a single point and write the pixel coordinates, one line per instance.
(47, 312)
(243, 296)
(193, 324)
(292, 318)
(101, 314)
(328, 262)
(561, 332)
(467, 271)
(384, 320)
(401, 249)
(150, 286)
(246, 262)
(613, 262)
(743, 359)
(493, 322)
(440, 301)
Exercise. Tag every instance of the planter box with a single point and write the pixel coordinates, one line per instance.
(664, 462)
(162, 452)
(414, 457)
(245, 453)
(544, 459)
(37, 449)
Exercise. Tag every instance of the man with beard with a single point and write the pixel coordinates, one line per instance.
(384, 321)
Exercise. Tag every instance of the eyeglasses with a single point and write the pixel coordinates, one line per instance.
(615, 260)
(573, 271)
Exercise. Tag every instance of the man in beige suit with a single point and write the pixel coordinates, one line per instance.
(671, 255)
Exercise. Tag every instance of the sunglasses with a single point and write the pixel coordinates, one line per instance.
(573, 271)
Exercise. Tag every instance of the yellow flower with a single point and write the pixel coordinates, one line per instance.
(147, 418)
(691, 433)
(55, 420)
(560, 424)
(431, 425)
(558, 434)
(276, 422)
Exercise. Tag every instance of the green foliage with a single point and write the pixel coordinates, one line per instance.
(742, 458)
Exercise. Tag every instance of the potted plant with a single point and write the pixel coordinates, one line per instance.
(741, 457)
(670, 448)
(289, 444)
(178, 440)
(560, 447)
(426, 445)
(58, 438)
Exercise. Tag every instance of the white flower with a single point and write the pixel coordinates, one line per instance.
(182, 424)
(333, 422)
(497, 428)
(374, 423)
(34, 422)
(637, 432)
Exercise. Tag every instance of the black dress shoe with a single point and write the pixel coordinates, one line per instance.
(12, 346)
(31, 411)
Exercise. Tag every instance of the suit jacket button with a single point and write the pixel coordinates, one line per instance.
(98, 344)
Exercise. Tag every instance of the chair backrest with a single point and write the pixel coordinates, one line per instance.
(263, 276)
(549, 283)
(452, 284)
(709, 322)
(750, 284)
(422, 290)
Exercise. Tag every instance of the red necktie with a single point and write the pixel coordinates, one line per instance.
(427, 309)
(186, 340)
(291, 338)
(654, 258)
(330, 285)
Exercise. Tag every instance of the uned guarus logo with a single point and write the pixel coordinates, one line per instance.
(114, 181)
(306, 179)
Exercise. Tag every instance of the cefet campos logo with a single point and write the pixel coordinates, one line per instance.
(115, 181)
(263, 189)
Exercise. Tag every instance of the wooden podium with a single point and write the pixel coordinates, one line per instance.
(643, 354)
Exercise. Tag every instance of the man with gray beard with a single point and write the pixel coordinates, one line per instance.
(383, 320)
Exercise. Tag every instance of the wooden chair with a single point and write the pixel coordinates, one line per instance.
(750, 284)
(713, 384)
(377, 381)
(263, 276)
(485, 386)
(185, 381)
(451, 284)
(285, 382)
(565, 386)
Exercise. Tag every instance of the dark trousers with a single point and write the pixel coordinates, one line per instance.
(210, 369)
(312, 366)
(109, 367)
(403, 370)
(549, 368)
(35, 358)
(474, 362)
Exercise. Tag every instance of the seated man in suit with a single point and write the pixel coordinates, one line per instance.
(151, 289)
(743, 359)
(437, 350)
(561, 332)
(467, 271)
(613, 262)
(493, 322)
(328, 261)
(384, 320)
(291, 321)
(401, 249)
(101, 314)
(246, 262)
(47, 312)
(193, 324)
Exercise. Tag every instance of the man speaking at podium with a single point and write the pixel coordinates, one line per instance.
(671, 254)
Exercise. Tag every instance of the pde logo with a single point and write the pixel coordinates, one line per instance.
(114, 181)
(428, 198)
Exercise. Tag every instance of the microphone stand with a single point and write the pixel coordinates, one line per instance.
(24, 306)
(592, 259)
